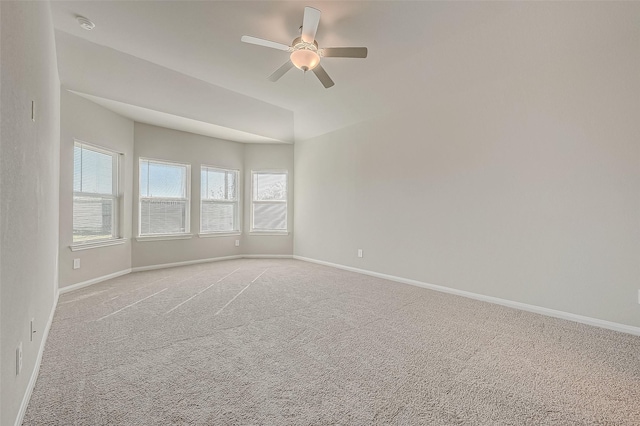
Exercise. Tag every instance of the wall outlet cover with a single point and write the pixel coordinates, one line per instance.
(76, 263)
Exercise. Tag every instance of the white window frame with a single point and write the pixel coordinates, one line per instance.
(238, 226)
(254, 202)
(115, 196)
(171, 235)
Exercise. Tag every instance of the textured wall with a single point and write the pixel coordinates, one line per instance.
(512, 171)
(29, 174)
(84, 120)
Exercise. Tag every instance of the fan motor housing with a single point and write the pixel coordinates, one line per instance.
(299, 44)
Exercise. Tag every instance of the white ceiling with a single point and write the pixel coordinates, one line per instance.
(201, 41)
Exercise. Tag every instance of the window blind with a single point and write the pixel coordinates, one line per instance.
(94, 193)
(219, 200)
(269, 201)
(164, 198)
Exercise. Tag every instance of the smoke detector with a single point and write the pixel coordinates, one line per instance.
(85, 23)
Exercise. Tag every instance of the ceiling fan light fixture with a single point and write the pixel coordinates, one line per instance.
(303, 51)
(305, 59)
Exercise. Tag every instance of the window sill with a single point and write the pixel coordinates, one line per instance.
(270, 233)
(97, 244)
(164, 237)
(219, 234)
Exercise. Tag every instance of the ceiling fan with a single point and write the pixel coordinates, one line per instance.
(305, 54)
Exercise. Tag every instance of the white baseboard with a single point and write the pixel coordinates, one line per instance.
(504, 302)
(185, 263)
(36, 370)
(77, 286)
(212, 259)
(267, 256)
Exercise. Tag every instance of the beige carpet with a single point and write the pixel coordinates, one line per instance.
(285, 342)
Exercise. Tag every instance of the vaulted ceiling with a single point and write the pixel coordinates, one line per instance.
(182, 64)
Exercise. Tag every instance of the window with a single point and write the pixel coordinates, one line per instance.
(95, 194)
(164, 198)
(269, 201)
(218, 200)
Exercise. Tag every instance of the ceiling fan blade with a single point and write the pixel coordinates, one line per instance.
(344, 52)
(323, 76)
(281, 71)
(265, 43)
(310, 23)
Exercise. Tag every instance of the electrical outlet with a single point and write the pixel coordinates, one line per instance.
(19, 358)
(359, 252)
(638, 296)
(237, 243)
(33, 330)
(76, 263)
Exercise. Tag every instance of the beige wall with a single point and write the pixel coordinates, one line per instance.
(86, 121)
(514, 176)
(29, 173)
